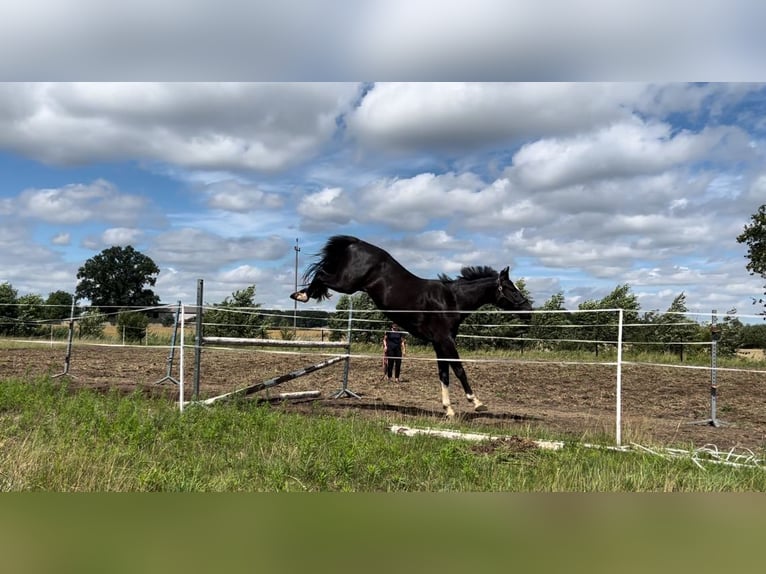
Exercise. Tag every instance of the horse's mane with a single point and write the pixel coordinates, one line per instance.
(470, 274)
(331, 253)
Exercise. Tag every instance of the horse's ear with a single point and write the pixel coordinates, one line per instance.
(504, 273)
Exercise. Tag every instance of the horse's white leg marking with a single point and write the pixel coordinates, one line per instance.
(477, 404)
(446, 402)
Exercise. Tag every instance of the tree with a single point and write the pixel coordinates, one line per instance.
(235, 317)
(132, 325)
(116, 278)
(91, 324)
(754, 235)
(368, 322)
(551, 325)
(730, 333)
(9, 310)
(31, 312)
(672, 329)
(58, 306)
(602, 326)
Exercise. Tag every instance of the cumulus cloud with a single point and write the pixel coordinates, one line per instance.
(263, 127)
(439, 240)
(121, 236)
(617, 151)
(77, 203)
(405, 116)
(194, 249)
(61, 239)
(232, 195)
(330, 206)
(412, 203)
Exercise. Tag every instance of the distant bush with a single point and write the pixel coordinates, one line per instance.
(91, 324)
(132, 325)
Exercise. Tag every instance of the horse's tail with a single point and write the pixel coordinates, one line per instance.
(333, 256)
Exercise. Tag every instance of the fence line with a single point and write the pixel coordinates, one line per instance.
(353, 315)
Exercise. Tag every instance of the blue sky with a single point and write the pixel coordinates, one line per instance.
(578, 187)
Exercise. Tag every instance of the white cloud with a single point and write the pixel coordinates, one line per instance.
(412, 203)
(618, 151)
(194, 250)
(121, 236)
(245, 275)
(206, 126)
(231, 195)
(78, 203)
(457, 116)
(332, 206)
(61, 239)
(439, 240)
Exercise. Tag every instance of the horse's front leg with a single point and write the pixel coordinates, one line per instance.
(450, 351)
(444, 380)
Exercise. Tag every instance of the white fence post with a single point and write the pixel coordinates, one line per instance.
(618, 407)
(181, 362)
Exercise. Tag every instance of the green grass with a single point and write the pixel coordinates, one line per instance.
(52, 439)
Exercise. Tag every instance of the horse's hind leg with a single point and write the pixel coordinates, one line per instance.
(317, 289)
(301, 296)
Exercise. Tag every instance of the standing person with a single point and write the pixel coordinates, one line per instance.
(394, 348)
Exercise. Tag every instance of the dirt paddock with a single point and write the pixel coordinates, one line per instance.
(659, 404)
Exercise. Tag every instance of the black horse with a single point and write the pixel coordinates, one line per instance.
(431, 309)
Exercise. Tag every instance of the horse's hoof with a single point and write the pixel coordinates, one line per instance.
(300, 296)
(481, 408)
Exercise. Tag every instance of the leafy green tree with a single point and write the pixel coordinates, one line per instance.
(132, 325)
(546, 326)
(730, 334)
(236, 316)
(117, 278)
(9, 311)
(754, 236)
(602, 326)
(90, 324)
(31, 313)
(754, 336)
(671, 329)
(368, 322)
(58, 306)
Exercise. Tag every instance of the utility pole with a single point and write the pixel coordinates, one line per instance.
(295, 302)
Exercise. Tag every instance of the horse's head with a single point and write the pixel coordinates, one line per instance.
(509, 297)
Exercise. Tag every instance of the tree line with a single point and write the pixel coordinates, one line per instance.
(558, 329)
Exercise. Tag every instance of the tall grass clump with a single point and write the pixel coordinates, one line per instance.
(53, 438)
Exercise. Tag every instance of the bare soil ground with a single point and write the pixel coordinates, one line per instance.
(659, 404)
